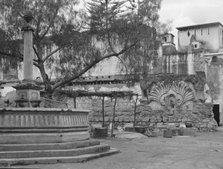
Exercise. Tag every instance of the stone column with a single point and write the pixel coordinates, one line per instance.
(28, 93)
(28, 51)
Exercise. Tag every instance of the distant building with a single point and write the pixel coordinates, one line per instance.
(208, 36)
(200, 49)
(168, 39)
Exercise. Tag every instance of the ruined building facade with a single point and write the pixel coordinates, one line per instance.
(200, 50)
(185, 89)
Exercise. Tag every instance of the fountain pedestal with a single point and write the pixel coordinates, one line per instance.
(27, 95)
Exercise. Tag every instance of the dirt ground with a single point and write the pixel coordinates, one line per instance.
(204, 151)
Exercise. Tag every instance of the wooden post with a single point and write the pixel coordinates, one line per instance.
(134, 115)
(75, 102)
(103, 111)
(113, 117)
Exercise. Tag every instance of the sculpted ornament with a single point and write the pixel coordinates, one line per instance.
(171, 96)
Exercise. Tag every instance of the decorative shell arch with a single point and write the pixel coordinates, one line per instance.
(172, 95)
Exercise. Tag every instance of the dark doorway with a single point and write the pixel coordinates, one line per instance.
(216, 112)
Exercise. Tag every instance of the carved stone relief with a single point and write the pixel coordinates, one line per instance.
(172, 96)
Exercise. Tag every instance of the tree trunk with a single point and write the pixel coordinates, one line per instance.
(46, 82)
(45, 78)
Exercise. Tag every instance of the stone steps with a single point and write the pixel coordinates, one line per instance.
(48, 146)
(58, 159)
(54, 153)
(41, 135)
(16, 167)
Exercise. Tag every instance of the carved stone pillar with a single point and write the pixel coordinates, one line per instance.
(28, 93)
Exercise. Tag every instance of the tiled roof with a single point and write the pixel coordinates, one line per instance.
(200, 26)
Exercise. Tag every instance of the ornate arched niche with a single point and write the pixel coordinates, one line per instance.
(171, 97)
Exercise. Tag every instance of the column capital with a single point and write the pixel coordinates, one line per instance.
(28, 17)
(28, 27)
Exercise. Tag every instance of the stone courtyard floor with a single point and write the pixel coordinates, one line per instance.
(204, 151)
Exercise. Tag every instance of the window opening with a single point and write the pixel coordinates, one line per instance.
(188, 33)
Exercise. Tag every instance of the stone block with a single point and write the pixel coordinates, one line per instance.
(30, 138)
(157, 132)
(140, 129)
(100, 132)
(161, 126)
(174, 132)
(153, 119)
(171, 119)
(150, 133)
(171, 125)
(167, 133)
(165, 119)
(128, 125)
(190, 131)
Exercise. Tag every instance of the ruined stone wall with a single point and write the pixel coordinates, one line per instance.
(174, 100)
(199, 62)
(170, 99)
(201, 117)
(124, 106)
(215, 82)
(123, 111)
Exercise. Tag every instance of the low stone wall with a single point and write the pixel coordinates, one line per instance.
(200, 117)
(124, 110)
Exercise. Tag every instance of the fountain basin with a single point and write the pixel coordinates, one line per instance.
(42, 125)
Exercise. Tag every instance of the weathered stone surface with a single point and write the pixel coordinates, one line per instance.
(34, 125)
(180, 99)
(167, 133)
(201, 117)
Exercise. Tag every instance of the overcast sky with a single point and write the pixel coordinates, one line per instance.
(189, 12)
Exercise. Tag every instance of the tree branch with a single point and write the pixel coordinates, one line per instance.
(65, 81)
(39, 58)
(36, 35)
(36, 64)
(53, 52)
(38, 20)
(51, 23)
(107, 30)
(122, 63)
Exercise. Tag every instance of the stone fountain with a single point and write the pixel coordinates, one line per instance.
(31, 135)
